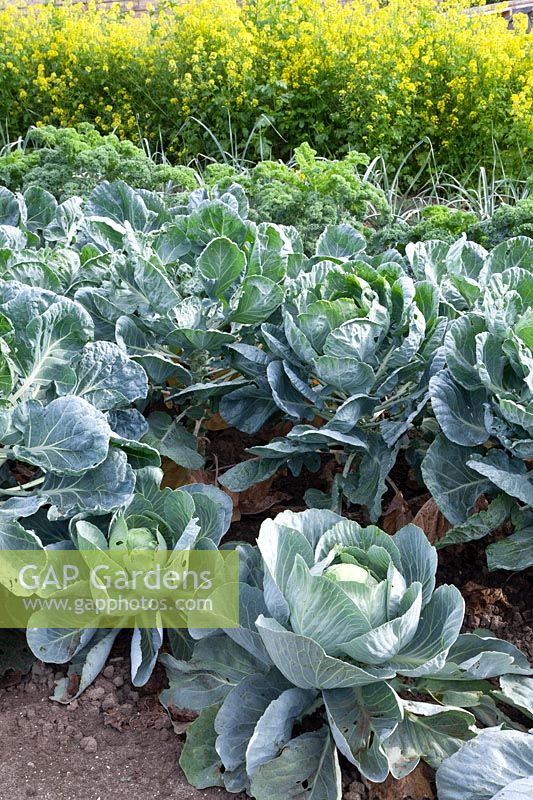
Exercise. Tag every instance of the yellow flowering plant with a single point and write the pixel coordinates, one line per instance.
(342, 76)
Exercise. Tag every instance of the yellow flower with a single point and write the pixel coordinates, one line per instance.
(381, 80)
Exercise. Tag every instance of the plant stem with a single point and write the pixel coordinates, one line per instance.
(348, 465)
(23, 488)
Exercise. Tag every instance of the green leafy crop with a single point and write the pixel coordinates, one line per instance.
(97, 322)
(125, 320)
(483, 396)
(499, 765)
(69, 161)
(506, 222)
(343, 637)
(349, 364)
(128, 318)
(311, 194)
(437, 222)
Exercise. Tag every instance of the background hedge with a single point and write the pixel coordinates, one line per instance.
(339, 76)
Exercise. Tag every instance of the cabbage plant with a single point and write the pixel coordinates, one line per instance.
(343, 640)
(195, 516)
(131, 257)
(463, 269)
(66, 408)
(483, 403)
(97, 321)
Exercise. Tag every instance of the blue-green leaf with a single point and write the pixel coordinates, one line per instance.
(220, 264)
(492, 761)
(311, 759)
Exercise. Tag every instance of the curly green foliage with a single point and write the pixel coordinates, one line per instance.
(438, 222)
(506, 222)
(446, 224)
(310, 194)
(452, 221)
(69, 161)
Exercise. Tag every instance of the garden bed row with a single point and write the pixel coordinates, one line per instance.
(169, 367)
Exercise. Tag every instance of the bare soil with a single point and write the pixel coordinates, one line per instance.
(113, 742)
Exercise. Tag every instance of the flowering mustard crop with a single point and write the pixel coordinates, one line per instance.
(337, 75)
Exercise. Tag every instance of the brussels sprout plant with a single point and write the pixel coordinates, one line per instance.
(349, 364)
(483, 401)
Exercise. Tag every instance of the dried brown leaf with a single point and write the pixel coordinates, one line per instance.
(480, 597)
(260, 497)
(397, 514)
(216, 423)
(181, 718)
(174, 476)
(432, 521)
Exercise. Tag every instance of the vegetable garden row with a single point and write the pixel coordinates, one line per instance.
(132, 323)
